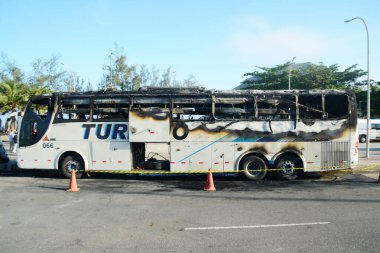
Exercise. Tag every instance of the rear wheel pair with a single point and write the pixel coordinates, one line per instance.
(255, 168)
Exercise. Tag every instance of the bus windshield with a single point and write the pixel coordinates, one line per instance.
(36, 120)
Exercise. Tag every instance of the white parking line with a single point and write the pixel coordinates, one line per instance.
(259, 226)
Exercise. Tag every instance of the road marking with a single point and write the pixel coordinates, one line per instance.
(259, 226)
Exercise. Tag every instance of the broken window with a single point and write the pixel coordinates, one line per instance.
(310, 107)
(276, 107)
(73, 109)
(111, 109)
(233, 108)
(336, 106)
(192, 108)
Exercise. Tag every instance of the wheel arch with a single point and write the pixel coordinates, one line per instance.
(63, 154)
(291, 152)
(257, 153)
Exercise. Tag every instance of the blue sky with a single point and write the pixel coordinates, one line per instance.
(216, 41)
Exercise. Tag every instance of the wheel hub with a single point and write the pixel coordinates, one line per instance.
(288, 167)
(72, 165)
(254, 168)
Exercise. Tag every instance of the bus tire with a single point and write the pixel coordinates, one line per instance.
(362, 138)
(184, 128)
(254, 168)
(70, 162)
(288, 167)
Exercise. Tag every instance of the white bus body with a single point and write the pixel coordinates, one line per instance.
(374, 130)
(191, 131)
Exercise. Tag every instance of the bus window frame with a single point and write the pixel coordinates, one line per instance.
(58, 120)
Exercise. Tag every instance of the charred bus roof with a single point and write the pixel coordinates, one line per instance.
(191, 91)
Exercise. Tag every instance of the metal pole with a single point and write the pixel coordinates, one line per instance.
(368, 86)
(290, 70)
(105, 76)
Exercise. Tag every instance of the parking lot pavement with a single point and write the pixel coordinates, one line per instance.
(116, 213)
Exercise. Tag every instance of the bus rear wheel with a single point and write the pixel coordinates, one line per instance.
(288, 167)
(72, 162)
(254, 168)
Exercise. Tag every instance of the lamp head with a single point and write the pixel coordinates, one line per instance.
(352, 19)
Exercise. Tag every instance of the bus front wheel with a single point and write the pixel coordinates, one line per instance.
(362, 138)
(288, 167)
(254, 168)
(72, 162)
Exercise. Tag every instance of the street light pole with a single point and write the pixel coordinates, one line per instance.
(368, 85)
(290, 70)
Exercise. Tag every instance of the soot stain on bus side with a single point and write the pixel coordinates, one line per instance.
(200, 132)
(323, 135)
(253, 147)
(155, 115)
(259, 148)
(293, 147)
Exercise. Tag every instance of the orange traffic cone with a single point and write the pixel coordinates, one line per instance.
(209, 186)
(73, 187)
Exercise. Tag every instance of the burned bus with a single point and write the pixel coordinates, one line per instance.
(191, 130)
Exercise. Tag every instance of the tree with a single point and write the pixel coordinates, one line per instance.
(73, 82)
(166, 78)
(317, 76)
(122, 73)
(190, 81)
(136, 80)
(13, 92)
(131, 77)
(89, 86)
(48, 74)
(155, 77)
(303, 76)
(145, 75)
(361, 98)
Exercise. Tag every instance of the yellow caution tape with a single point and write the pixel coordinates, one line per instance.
(369, 169)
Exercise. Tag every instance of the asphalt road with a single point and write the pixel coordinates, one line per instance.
(116, 213)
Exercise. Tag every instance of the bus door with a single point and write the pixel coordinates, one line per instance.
(33, 135)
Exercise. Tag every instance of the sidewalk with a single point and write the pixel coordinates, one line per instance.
(373, 160)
